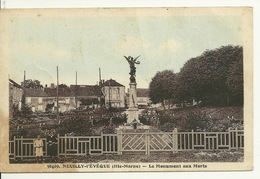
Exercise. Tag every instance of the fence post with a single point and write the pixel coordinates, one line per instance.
(192, 139)
(21, 147)
(102, 142)
(14, 146)
(119, 142)
(229, 138)
(58, 145)
(236, 139)
(175, 140)
(65, 149)
(147, 139)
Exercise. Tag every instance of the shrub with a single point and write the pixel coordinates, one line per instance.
(196, 121)
(108, 130)
(78, 126)
(168, 127)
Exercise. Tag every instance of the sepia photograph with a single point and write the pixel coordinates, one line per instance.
(127, 89)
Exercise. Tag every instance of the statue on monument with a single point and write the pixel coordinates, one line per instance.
(132, 63)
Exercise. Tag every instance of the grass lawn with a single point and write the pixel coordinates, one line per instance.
(161, 157)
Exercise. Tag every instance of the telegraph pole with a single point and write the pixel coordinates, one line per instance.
(76, 92)
(58, 115)
(24, 91)
(100, 85)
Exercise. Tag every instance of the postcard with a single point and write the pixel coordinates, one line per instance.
(126, 89)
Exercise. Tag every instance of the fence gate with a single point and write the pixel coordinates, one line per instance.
(147, 142)
(132, 142)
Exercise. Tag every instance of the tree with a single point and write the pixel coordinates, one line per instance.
(36, 84)
(235, 80)
(161, 87)
(63, 86)
(204, 78)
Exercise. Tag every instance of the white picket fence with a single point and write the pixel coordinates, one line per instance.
(124, 142)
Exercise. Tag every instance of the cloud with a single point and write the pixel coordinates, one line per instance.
(169, 46)
(131, 43)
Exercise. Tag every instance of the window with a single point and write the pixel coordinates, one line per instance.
(40, 100)
(28, 100)
(67, 100)
(40, 108)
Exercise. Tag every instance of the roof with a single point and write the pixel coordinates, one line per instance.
(63, 92)
(32, 92)
(112, 82)
(142, 92)
(86, 90)
(14, 83)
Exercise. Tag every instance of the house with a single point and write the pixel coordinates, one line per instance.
(143, 98)
(114, 94)
(65, 95)
(88, 96)
(41, 100)
(35, 99)
(15, 97)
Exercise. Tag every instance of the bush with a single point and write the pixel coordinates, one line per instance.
(168, 127)
(119, 120)
(144, 120)
(108, 130)
(81, 127)
(23, 132)
(197, 121)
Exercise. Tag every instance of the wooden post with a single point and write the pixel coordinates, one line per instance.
(14, 147)
(205, 140)
(58, 145)
(57, 95)
(192, 139)
(119, 142)
(147, 139)
(21, 147)
(229, 138)
(236, 139)
(102, 143)
(65, 149)
(175, 140)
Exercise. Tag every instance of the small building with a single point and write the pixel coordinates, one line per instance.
(88, 96)
(114, 94)
(15, 97)
(66, 98)
(35, 99)
(143, 98)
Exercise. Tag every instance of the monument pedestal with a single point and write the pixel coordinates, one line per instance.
(132, 114)
(133, 109)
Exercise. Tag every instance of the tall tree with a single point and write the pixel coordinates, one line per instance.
(161, 86)
(205, 77)
(235, 80)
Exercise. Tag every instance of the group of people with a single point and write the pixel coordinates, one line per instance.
(51, 147)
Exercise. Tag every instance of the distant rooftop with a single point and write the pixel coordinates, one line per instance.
(86, 90)
(14, 83)
(32, 92)
(63, 92)
(112, 82)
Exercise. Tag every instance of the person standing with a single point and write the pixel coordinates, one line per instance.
(52, 147)
(38, 145)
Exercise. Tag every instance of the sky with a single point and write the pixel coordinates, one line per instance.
(85, 44)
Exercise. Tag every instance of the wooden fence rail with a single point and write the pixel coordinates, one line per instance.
(123, 142)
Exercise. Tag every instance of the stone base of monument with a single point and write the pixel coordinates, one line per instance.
(132, 113)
